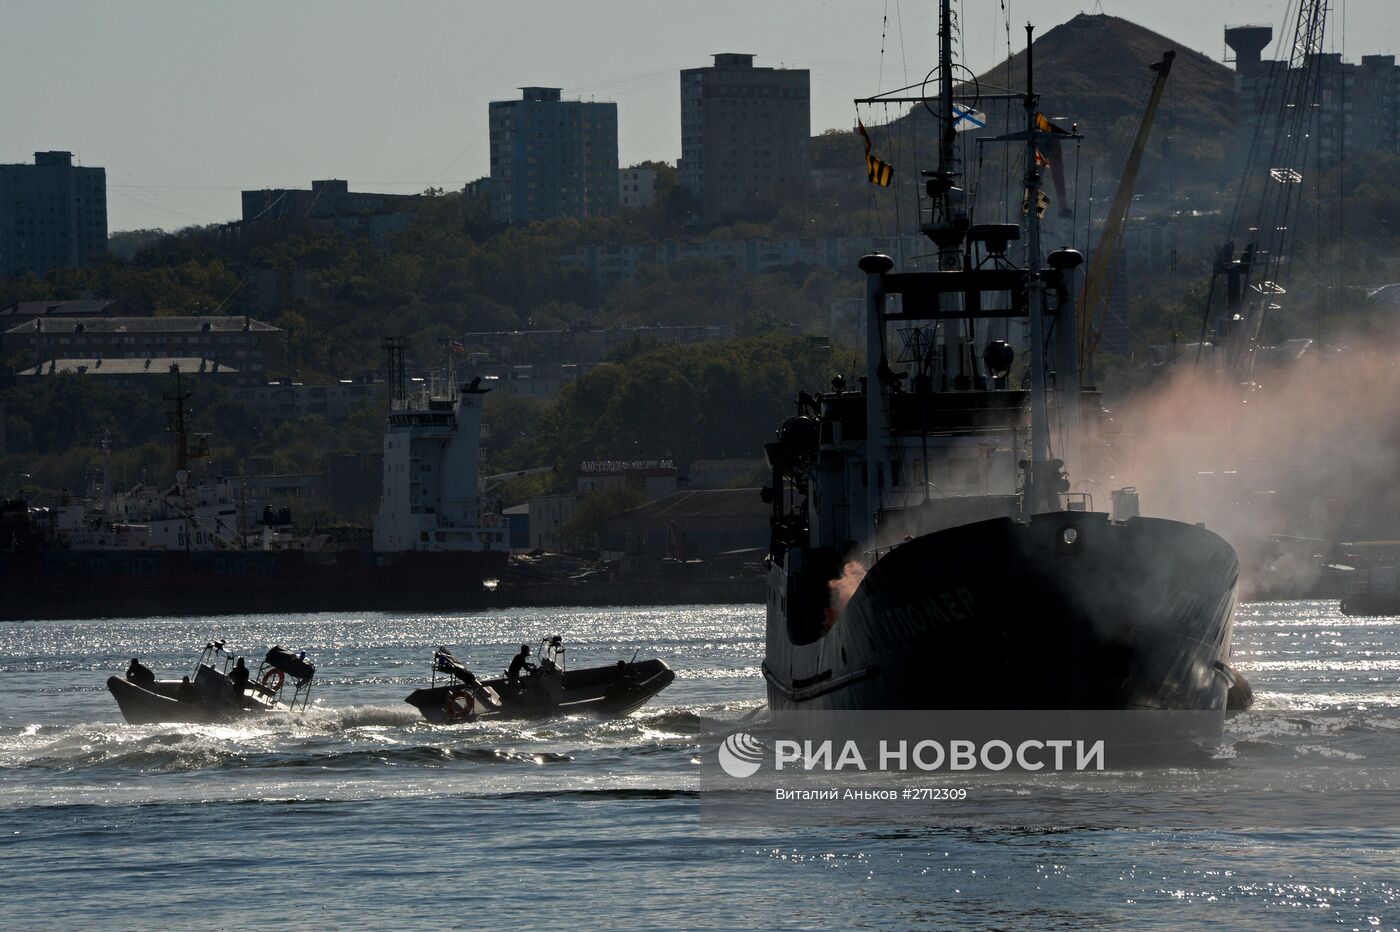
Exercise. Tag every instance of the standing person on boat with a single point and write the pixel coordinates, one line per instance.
(239, 679)
(137, 672)
(188, 691)
(520, 662)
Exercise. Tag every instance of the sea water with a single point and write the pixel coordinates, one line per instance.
(357, 814)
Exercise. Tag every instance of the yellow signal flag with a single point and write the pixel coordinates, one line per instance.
(879, 172)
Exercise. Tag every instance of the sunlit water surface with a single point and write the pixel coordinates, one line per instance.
(356, 813)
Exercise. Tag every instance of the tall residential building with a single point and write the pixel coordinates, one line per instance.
(745, 133)
(1357, 108)
(53, 214)
(552, 157)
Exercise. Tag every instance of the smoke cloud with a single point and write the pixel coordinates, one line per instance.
(1304, 456)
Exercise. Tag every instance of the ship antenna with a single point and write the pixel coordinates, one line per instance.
(948, 138)
(393, 355)
(944, 227)
(182, 452)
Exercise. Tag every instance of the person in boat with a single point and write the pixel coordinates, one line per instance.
(520, 662)
(239, 679)
(188, 691)
(138, 673)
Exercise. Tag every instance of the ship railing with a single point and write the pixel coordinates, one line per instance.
(209, 657)
(281, 665)
(1079, 501)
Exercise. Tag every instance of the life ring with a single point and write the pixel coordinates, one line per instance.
(273, 673)
(452, 710)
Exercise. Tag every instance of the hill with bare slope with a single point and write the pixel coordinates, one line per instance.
(1093, 71)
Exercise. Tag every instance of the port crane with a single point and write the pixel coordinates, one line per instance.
(1097, 286)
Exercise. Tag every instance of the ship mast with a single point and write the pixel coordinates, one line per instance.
(947, 226)
(1041, 494)
(949, 246)
(177, 416)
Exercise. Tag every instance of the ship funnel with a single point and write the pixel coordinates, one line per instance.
(1248, 43)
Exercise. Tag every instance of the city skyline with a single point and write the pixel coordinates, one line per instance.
(187, 106)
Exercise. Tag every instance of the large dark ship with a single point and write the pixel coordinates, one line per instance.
(927, 551)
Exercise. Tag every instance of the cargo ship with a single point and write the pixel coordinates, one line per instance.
(179, 550)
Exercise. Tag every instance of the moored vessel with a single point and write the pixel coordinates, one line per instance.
(184, 549)
(1374, 580)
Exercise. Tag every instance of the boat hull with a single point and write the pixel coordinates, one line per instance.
(610, 691)
(156, 704)
(1003, 614)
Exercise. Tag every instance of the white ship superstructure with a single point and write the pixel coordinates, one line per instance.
(432, 451)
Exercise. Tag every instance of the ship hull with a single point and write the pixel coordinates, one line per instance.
(125, 584)
(1003, 614)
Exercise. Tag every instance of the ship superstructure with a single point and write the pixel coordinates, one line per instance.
(432, 466)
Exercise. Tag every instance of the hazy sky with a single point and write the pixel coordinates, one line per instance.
(186, 103)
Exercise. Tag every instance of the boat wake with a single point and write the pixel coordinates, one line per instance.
(350, 738)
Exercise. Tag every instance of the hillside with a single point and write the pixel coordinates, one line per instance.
(1092, 71)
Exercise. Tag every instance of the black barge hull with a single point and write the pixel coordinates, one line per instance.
(1372, 604)
(138, 584)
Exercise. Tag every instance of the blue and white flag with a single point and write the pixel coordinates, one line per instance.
(965, 117)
